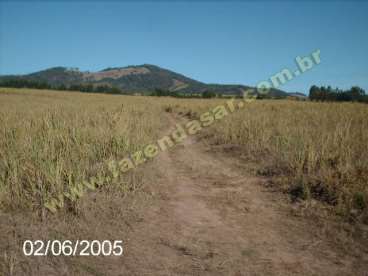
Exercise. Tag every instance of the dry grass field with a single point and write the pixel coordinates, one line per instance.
(51, 141)
(311, 150)
(176, 208)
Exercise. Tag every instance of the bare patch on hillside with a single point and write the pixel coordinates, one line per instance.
(115, 73)
(177, 85)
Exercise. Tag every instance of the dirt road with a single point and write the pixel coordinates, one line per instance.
(210, 217)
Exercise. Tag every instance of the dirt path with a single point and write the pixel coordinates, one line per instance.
(211, 218)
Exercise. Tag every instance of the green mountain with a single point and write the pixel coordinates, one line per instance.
(132, 79)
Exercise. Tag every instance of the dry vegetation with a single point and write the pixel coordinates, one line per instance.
(50, 141)
(312, 150)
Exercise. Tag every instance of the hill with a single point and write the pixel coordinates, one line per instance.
(298, 95)
(131, 79)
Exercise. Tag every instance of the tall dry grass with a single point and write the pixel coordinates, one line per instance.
(51, 141)
(320, 148)
(312, 150)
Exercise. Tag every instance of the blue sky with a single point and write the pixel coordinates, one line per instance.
(216, 42)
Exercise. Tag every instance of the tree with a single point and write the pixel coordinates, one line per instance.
(61, 87)
(102, 88)
(328, 94)
(313, 92)
(162, 93)
(208, 94)
(356, 93)
(115, 90)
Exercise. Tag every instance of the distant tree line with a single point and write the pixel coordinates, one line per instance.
(88, 87)
(24, 83)
(354, 94)
(261, 96)
(166, 93)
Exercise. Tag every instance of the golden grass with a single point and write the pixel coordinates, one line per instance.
(50, 141)
(313, 150)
